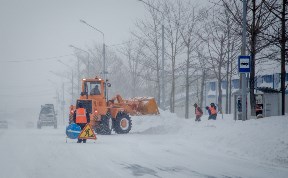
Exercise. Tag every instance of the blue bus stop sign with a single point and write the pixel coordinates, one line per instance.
(73, 131)
(244, 65)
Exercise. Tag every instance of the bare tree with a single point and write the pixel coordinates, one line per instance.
(173, 14)
(258, 20)
(232, 47)
(216, 38)
(148, 33)
(133, 51)
(189, 30)
(279, 37)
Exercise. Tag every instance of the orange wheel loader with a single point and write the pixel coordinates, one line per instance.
(104, 116)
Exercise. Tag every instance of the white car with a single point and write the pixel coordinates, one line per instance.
(3, 124)
(47, 116)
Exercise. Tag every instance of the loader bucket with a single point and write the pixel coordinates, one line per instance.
(144, 105)
(137, 105)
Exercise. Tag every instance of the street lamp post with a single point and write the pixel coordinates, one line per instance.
(57, 95)
(63, 99)
(163, 57)
(78, 75)
(72, 81)
(88, 70)
(63, 102)
(104, 53)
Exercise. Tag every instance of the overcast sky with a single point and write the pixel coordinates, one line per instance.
(31, 30)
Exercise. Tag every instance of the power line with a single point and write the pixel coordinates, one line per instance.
(119, 44)
(37, 59)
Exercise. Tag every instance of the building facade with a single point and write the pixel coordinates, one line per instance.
(262, 81)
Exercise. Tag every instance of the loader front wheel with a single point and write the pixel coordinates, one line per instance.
(122, 124)
(71, 119)
(105, 125)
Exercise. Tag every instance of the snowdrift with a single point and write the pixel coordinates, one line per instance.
(157, 146)
(264, 140)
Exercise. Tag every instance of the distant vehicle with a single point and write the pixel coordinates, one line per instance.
(3, 124)
(47, 116)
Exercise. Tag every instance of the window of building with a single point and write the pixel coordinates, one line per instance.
(235, 83)
(224, 84)
(268, 78)
(213, 86)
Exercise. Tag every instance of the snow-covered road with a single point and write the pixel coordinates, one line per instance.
(159, 146)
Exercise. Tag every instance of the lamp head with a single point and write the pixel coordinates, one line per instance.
(82, 21)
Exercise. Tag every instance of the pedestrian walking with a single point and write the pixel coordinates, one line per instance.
(198, 112)
(212, 110)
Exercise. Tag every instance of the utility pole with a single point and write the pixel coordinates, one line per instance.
(72, 99)
(284, 39)
(243, 53)
(63, 103)
(78, 79)
(104, 60)
(163, 72)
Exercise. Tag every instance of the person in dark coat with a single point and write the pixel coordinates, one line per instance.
(212, 111)
(81, 117)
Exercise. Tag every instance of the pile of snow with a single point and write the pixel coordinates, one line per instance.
(264, 140)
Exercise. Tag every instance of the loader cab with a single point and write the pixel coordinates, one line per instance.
(93, 91)
(93, 87)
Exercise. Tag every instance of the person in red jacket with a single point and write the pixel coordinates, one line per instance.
(81, 117)
(198, 112)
